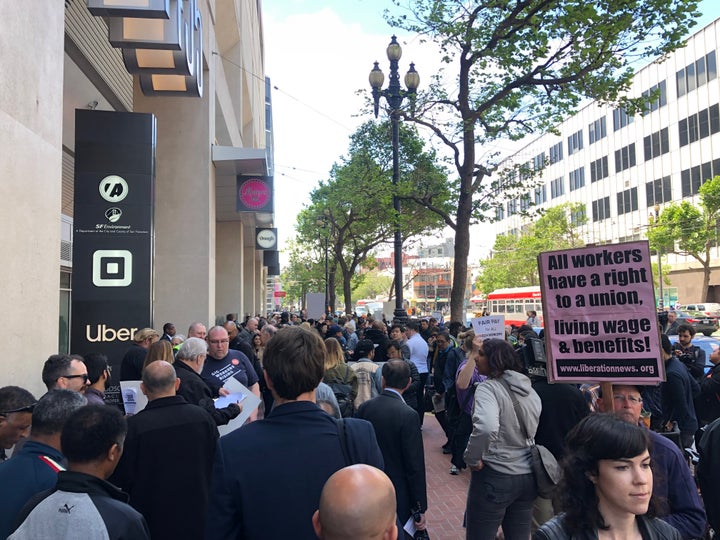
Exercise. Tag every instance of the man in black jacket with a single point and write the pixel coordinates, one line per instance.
(188, 366)
(397, 428)
(167, 463)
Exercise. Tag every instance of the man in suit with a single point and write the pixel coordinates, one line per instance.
(167, 462)
(397, 428)
(269, 474)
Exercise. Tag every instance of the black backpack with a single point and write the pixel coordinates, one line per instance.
(342, 393)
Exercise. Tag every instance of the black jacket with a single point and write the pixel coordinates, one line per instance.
(196, 391)
(397, 428)
(650, 528)
(166, 467)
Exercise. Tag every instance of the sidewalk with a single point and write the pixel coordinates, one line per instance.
(446, 493)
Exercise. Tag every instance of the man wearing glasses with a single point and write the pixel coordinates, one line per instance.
(674, 486)
(15, 416)
(65, 373)
(222, 363)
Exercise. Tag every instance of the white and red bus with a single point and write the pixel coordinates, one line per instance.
(514, 303)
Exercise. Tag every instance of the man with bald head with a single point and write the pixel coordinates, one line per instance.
(167, 462)
(357, 503)
(197, 330)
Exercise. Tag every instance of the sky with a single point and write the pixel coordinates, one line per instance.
(318, 54)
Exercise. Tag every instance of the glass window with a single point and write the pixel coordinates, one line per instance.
(681, 86)
(711, 66)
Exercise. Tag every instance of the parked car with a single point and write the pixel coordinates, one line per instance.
(707, 344)
(697, 319)
(710, 309)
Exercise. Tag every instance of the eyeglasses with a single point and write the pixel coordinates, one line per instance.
(83, 375)
(26, 408)
(218, 341)
(630, 399)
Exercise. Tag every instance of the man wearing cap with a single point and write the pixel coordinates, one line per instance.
(335, 331)
(15, 416)
(132, 363)
(673, 486)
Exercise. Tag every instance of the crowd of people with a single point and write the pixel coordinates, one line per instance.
(335, 449)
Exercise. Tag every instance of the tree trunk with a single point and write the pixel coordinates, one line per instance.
(462, 251)
(347, 291)
(706, 280)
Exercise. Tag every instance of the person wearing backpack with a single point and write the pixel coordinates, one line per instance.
(340, 378)
(367, 371)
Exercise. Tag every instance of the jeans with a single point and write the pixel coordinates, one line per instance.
(496, 499)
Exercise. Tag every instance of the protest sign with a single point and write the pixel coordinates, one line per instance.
(600, 319)
(492, 327)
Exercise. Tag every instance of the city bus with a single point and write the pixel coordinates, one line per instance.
(514, 303)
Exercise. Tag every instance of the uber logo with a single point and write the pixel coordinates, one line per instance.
(112, 268)
(113, 188)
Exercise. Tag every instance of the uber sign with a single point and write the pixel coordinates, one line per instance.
(113, 239)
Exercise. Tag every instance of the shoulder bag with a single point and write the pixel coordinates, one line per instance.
(543, 464)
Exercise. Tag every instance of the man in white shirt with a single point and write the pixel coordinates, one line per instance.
(418, 356)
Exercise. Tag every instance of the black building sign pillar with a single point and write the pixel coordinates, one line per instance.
(113, 239)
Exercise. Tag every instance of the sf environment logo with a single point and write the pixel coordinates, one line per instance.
(113, 214)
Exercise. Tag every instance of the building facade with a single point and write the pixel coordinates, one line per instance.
(626, 169)
(57, 58)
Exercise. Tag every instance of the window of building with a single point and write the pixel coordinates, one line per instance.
(557, 187)
(539, 161)
(575, 142)
(696, 74)
(525, 202)
(599, 169)
(621, 119)
(658, 191)
(578, 217)
(512, 207)
(691, 179)
(577, 178)
(499, 213)
(556, 153)
(541, 194)
(625, 158)
(700, 125)
(627, 201)
(597, 130)
(656, 144)
(601, 209)
(659, 93)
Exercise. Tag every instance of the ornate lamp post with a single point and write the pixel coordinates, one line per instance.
(394, 96)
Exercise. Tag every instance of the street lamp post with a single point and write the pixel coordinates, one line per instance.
(394, 96)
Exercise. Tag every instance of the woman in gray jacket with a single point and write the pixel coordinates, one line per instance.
(502, 486)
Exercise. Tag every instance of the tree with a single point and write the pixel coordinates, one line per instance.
(514, 259)
(356, 202)
(687, 230)
(522, 67)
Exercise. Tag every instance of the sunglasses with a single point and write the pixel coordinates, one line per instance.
(84, 376)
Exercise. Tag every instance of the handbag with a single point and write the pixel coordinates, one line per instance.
(543, 464)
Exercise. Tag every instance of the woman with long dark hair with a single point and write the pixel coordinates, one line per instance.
(505, 417)
(606, 489)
